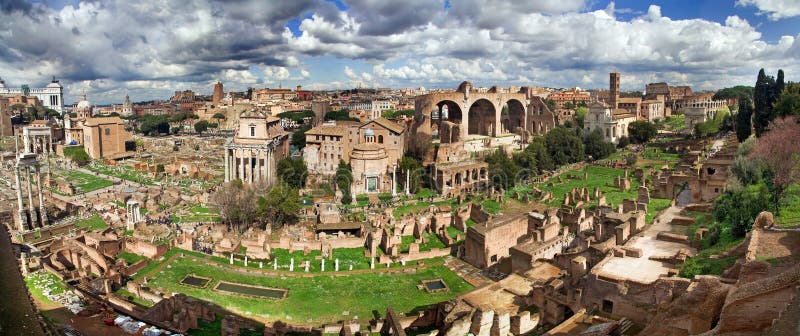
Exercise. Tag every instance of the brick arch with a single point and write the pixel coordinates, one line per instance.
(514, 115)
(482, 118)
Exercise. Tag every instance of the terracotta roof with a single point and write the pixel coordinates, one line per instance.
(622, 114)
(388, 124)
(328, 130)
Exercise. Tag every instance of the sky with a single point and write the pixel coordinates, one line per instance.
(149, 49)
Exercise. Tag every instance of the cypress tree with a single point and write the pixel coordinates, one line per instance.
(763, 100)
(743, 124)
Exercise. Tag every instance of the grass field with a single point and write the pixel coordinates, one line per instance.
(130, 258)
(602, 177)
(93, 223)
(85, 182)
(124, 172)
(39, 282)
(314, 299)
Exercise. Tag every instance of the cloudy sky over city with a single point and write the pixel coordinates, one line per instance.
(149, 49)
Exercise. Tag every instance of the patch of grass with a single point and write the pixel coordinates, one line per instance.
(93, 223)
(130, 258)
(86, 182)
(432, 241)
(491, 206)
(702, 263)
(133, 298)
(601, 177)
(42, 281)
(790, 207)
(453, 232)
(319, 298)
(424, 193)
(414, 207)
(655, 207)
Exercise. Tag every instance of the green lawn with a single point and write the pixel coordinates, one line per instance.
(124, 172)
(491, 206)
(133, 298)
(41, 281)
(316, 299)
(130, 258)
(420, 205)
(674, 123)
(86, 182)
(602, 177)
(453, 232)
(656, 205)
(93, 223)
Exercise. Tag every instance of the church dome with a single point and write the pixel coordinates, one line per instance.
(83, 104)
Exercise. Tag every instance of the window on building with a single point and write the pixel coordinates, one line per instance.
(252, 131)
(108, 131)
(608, 306)
(380, 138)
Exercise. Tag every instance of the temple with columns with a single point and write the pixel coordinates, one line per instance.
(253, 154)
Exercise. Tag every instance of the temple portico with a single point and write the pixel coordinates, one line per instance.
(253, 154)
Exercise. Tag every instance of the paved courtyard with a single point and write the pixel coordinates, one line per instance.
(643, 269)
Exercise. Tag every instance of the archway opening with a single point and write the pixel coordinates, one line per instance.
(482, 118)
(513, 116)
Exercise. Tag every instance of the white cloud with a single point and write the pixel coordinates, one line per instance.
(774, 9)
(151, 49)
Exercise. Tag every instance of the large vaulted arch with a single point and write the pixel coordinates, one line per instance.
(482, 118)
(513, 116)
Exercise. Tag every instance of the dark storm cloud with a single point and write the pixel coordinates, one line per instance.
(8, 6)
(379, 17)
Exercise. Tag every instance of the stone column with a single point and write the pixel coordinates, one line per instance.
(20, 209)
(394, 180)
(265, 166)
(240, 165)
(270, 155)
(31, 207)
(408, 182)
(227, 166)
(42, 211)
(258, 165)
(250, 170)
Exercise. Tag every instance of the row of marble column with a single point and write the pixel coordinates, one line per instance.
(29, 171)
(249, 164)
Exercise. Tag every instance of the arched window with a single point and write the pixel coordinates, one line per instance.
(380, 138)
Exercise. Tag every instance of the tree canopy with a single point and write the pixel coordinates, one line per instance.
(736, 92)
(293, 172)
(641, 131)
(564, 146)
(201, 126)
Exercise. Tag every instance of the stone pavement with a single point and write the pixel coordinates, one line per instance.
(643, 269)
(469, 273)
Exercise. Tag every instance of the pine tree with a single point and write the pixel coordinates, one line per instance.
(743, 124)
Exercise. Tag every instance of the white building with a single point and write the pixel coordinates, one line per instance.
(51, 96)
(374, 107)
(613, 123)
